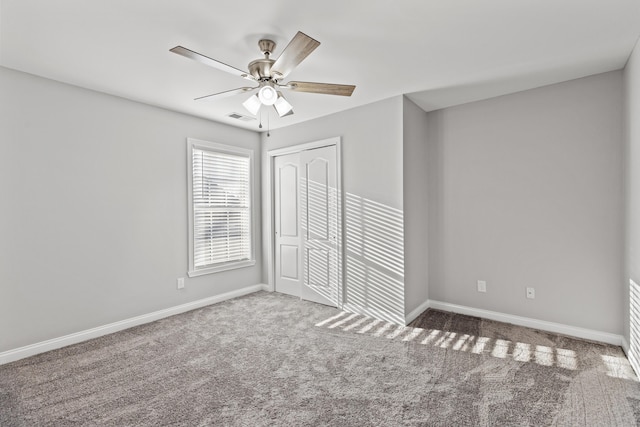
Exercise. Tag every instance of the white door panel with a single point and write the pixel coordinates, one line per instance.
(289, 256)
(319, 221)
(306, 225)
(287, 225)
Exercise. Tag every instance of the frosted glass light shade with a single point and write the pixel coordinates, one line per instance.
(252, 104)
(282, 106)
(267, 95)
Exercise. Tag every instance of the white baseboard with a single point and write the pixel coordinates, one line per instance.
(625, 346)
(417, 312)
(632, 359)
(55, 343)
(542, 325)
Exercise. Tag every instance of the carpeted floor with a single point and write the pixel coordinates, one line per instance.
(272, 360)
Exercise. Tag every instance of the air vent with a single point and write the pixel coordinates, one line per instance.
(238, 116)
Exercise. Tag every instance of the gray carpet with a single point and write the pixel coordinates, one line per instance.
(270, 360)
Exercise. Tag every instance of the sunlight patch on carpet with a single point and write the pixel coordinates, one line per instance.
(616, 367)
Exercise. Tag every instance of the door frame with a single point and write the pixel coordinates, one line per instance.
(269, 207)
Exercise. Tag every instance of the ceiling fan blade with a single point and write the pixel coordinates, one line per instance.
(225, 93)
(296, 51)
(188, 53)
(325, 88)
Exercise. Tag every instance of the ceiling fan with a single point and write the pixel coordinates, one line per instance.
(268, 74)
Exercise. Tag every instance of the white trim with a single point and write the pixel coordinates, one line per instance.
(631, 318)
(224, 267)
(632, 360)
(417, 312)
(228, 149)
(342, 235)
(542, 325)
(55, 343)
(268, 206)
(302, 147)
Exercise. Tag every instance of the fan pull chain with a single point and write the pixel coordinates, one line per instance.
(268, 124)
(260, 125)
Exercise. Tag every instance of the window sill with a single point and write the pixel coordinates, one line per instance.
(225, 267)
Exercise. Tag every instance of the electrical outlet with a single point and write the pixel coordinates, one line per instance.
(180, 282)
(531, 293)
(482, 286)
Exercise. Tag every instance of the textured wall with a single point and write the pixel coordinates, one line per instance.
(416, 282)
(372, 172)
(526, 191)
(632, 193)
(93, 222)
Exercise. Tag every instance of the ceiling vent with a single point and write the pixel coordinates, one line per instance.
(242, 117)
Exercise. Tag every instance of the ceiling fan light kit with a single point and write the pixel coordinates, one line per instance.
(268, 73)
(267, 95)
(252, 104)
(282, 106)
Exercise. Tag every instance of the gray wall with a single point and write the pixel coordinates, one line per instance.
(520, 190)
(632, 181)
(415, 134)
(372, 171)
(526, 190)
(93, 222)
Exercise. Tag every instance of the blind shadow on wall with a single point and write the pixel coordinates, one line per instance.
(374, 259)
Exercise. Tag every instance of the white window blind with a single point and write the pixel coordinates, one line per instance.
(221, 209)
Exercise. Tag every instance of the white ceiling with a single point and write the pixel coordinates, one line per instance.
(440, 52)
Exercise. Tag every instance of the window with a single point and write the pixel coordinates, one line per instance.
(220, 212)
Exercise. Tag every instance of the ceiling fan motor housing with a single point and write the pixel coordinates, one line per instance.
(261, 68)
(266, 46)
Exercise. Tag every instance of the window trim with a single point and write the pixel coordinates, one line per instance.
(192, 144)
